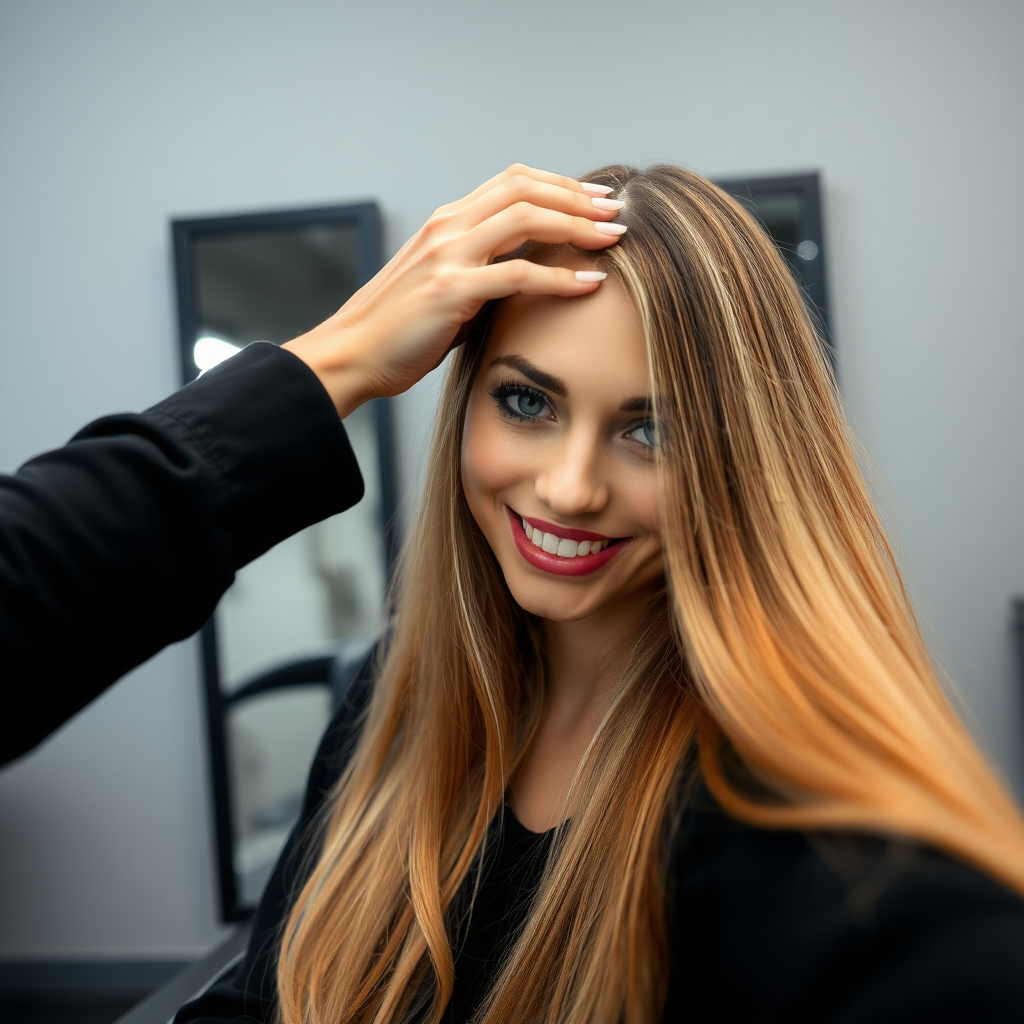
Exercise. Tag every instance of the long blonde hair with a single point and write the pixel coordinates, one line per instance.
(784, 643)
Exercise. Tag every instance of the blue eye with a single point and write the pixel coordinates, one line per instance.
(528, 403)
(646, 433)
(520, 402)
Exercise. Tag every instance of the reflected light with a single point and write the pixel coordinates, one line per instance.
(208, 351)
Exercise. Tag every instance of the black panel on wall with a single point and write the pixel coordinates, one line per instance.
(789, 208)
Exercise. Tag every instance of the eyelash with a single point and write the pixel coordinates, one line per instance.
(502, 392)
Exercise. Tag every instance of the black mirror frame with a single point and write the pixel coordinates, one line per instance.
(366, 218)
(811, 275)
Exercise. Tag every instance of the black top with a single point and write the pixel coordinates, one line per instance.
(514, 861)
(124, 540)
(763, 925)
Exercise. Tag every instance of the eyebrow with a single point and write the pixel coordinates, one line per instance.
(641, 403)
(533, 373)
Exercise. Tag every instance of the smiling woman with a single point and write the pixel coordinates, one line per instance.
(655, 735)
(559, 473)
(555, 455)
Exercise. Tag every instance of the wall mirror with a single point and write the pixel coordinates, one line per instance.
(272, 650)
(789, 209)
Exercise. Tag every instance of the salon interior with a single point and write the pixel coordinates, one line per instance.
(179, 180)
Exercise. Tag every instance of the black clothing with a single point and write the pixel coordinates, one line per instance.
(763, 925)
(124, 540)
(514, 861)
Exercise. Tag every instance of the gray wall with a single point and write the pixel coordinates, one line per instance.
(116, 116)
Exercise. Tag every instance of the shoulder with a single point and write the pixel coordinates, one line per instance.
(784, 925)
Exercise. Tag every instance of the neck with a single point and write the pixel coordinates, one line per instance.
(586, 658)
(585, 661)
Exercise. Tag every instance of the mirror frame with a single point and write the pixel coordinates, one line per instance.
(810, 274)
(365, 217)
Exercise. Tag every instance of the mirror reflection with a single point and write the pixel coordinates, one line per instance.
(320, 587)
(281, 628)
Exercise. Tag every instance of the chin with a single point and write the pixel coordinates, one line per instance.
(550, 600)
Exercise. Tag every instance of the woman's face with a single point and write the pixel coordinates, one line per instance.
(558, 457)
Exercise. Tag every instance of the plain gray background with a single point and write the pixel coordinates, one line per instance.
(116, 116)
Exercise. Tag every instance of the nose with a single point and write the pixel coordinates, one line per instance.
(571, 481)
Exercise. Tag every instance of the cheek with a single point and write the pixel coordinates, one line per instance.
(648, 509)
(644, 508)
(640, 490)
(491, 461)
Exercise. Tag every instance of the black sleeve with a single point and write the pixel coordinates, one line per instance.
(779, 926)
(248, 992)
(124, 540)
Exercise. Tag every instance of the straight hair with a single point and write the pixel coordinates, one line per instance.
(782, 657)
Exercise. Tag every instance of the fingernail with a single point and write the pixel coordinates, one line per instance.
(595, 190)
(610, 228)
(588, 276)
(607, 204)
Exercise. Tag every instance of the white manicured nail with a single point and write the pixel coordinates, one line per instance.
(595, 190)
(606, 204)
(610, 228)
(587, 276)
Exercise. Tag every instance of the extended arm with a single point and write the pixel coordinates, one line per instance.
(124, 540)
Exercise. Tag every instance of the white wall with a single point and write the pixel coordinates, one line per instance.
(115, 116)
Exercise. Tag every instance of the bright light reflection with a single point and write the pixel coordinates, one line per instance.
(208, 351)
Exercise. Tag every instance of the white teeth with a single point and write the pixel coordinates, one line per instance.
(561, 546)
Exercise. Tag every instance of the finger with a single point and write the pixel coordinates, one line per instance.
(523, 222)
(521, 277)
(547, 177)
(521, 188)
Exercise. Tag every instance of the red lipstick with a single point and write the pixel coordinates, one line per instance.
(580, 565)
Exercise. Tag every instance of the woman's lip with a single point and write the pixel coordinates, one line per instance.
(581, 565)
(560, 531)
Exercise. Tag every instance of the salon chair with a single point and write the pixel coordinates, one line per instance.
(159, 1007)
(335, 671)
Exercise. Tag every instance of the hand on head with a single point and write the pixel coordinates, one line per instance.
(400, 325)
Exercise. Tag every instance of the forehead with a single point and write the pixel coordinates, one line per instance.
(593, 340)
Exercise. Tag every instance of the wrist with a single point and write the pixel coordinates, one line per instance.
(335, 361)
